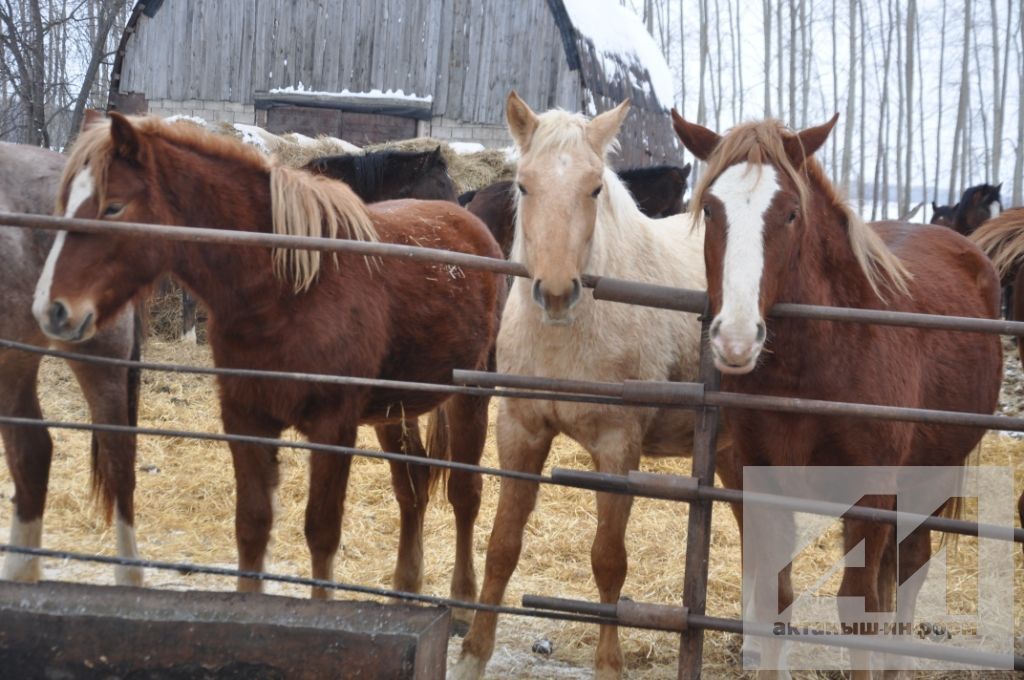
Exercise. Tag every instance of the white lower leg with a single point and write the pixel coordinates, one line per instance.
(19, 567)
(126, 547)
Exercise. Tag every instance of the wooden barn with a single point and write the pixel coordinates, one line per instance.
(374, 70)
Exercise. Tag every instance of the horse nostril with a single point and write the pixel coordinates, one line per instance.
(58, 314)
(577, 290)
(538, 297)
(761, 331)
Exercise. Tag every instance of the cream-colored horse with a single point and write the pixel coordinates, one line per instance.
(574, 215)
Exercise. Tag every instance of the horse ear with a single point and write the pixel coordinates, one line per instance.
(685, 171)
(934, 207)
(91, 117)
(126, 138)
(996, 190)
(603, 128)
(802, 145)
(699, 140)
(522, 121)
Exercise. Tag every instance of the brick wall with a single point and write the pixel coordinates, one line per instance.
(210, 111)
(491, 136)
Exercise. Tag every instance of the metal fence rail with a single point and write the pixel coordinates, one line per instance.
(698, 490)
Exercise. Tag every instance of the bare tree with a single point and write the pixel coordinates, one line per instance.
(961, 113)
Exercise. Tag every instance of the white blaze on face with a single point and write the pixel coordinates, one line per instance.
(82, 187)
(994, 210)
(746, 191)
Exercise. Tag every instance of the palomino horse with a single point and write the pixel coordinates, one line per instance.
(386, 175)
(778, 231)
(574, 214)
(290, 311)
(29, 178)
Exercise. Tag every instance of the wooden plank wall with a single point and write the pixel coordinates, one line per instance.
(467, 54)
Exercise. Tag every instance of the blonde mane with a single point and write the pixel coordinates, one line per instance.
(1002, 239)
(762, 142)
(304, 204)
(301, 204)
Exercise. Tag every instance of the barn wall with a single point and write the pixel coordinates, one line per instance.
(212, 111)
(467, 54)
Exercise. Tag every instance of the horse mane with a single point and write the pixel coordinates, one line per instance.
(762, 142)
(302, 204)
(560, 130)
(1002, 239)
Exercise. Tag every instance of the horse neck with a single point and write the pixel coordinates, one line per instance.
(221, 194)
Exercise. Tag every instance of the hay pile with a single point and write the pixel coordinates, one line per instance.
(185, 505)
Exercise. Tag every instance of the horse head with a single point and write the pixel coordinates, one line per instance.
(560, 177)
(753, 200)
(88, 278)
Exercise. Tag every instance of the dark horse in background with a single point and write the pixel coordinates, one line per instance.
(374, 176)
(658, 192)
(292, 310)
(29, 177)
(978, 203)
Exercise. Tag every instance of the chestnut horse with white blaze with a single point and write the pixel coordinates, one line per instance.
(289, 311)
(574, 214)
(778, 231)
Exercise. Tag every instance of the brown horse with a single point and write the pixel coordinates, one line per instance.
(29, 177)
(777, 231)
(978, 203)
(290, 311)
(1002, 239)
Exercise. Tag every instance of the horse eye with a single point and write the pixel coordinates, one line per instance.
(792, 217)
(113, 210)
(522, 189)
(707, 211)
(596, 192)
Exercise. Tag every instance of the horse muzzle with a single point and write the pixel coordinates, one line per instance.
(736, 353)
(58, 322)
(557, 306)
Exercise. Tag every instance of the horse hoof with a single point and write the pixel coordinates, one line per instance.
(458, 628)
(469, 667)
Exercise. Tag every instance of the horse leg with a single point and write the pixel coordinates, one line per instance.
(771, 605)
(188, 317)
(411, 485)
(524, 440)
(28, 451)
(862, 582)
(328, 483)
(914, 553)
(467, 422)
(113, 457)
(256, 479)
(616, 452)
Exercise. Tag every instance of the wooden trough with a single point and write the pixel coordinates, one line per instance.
(65, 630)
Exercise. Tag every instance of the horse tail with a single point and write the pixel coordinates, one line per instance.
(1002, 239)
(101, 489)
(438, 443)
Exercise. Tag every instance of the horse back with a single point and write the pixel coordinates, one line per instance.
(958, 371)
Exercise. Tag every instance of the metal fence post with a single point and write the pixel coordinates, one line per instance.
(698, 534)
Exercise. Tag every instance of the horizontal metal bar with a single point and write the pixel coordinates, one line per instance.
(605, 288)
(685, 395)
(875, 643)
(686, 489)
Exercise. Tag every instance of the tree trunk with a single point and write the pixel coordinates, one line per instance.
(108, 13)
(961, 113)
(766, 11)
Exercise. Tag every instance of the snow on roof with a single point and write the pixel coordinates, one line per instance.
(372, 94)
(618, 32)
